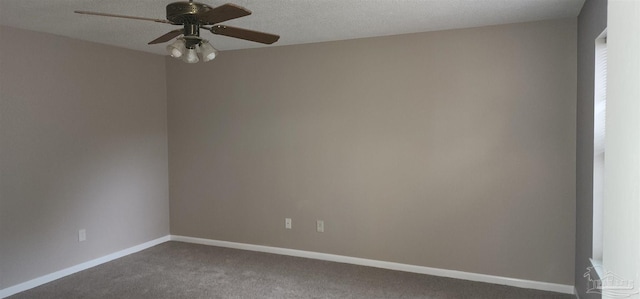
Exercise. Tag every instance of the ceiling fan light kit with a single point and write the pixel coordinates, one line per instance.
(189, 54)
(193, 16)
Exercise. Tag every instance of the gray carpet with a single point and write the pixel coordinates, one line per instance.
(181, 270)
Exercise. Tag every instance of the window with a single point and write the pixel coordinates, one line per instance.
(599, 133)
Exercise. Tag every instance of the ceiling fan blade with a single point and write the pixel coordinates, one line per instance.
(121, 16)
(167, 36)
(254, 36)
(223, 13)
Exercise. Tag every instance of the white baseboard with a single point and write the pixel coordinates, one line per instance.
(521, 283)
(77, 268)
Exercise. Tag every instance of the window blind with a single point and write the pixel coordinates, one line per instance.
(600, 98)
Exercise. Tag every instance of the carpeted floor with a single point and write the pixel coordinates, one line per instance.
(181, 270)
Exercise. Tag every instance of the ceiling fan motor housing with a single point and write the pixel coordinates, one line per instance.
(186, 12)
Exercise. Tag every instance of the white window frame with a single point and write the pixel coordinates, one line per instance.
(599, 134)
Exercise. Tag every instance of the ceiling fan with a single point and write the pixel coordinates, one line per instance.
(193, 16)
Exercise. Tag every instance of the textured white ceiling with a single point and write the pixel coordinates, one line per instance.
(296, 21)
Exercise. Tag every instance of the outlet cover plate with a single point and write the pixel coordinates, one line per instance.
(320, 226)
(287, 223)
(82, 235)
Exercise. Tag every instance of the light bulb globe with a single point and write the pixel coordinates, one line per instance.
(191, 56)
(177, 48)
(208, 51)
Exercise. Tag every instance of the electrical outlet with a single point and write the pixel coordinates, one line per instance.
(82, 235)
(320, 226)
(287, 223)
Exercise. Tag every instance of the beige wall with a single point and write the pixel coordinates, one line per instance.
(83, 144)
(452, 149)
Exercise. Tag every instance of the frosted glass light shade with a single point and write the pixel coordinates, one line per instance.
(177, 48)
(191, 56)
(208, 51)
